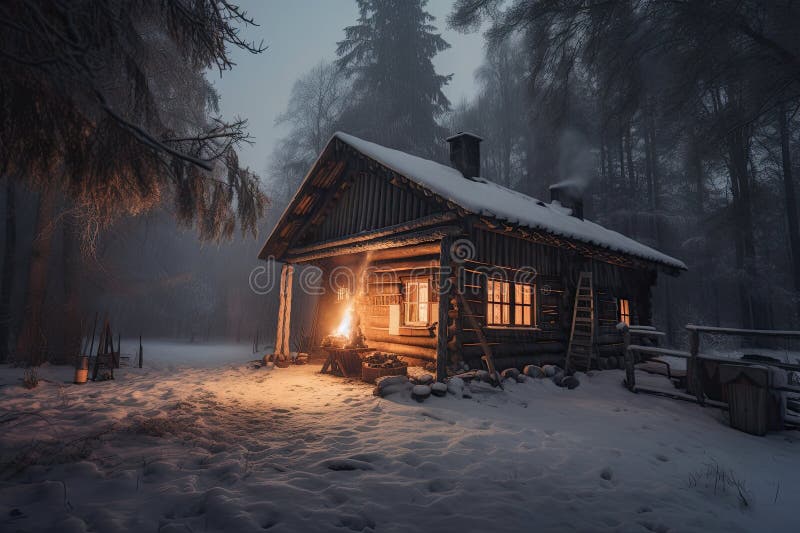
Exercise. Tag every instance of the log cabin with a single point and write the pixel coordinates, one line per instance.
(439, 264)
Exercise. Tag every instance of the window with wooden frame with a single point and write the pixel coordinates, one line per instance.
(510, 304)
(416, 302)
(524, 304)
(624, 311)
(498, 302)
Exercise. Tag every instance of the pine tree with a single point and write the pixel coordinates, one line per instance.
(397, 92)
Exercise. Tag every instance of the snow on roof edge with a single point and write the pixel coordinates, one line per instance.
(484, 197)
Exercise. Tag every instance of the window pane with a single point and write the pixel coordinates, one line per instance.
(505, 286)
(518, 315)
(506, 314)
(411, 292)
(423, 312)
(527, 316)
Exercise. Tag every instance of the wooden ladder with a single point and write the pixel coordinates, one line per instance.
(581, 340)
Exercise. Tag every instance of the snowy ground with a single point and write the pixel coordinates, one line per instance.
(230, 448)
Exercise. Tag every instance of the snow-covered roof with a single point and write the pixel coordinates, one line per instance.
(486, 198)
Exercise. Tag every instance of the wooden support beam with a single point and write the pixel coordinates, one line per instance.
(284, 311)
(445, 260)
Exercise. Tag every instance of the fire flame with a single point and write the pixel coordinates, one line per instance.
(346, 324)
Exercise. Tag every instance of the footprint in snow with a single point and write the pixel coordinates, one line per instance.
(663, 458)
(347, 465)
(606, 474)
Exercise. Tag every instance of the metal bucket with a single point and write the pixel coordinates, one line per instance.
(82, 369)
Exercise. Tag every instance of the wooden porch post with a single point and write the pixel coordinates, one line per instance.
(444, 308)
(284, 311)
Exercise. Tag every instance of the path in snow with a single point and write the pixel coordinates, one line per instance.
(231, 448)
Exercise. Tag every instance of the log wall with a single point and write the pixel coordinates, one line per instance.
(370, 202)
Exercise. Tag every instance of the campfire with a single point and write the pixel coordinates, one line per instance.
(348, 334)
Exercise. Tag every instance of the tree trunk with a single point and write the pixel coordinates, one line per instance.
(9, 268)
(72, 332)
(791, 202)
(31, 344)
(738, 149)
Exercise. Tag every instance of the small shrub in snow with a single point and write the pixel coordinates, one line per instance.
(719, 481)
(439, 389)
(30, 379)
(420, 392)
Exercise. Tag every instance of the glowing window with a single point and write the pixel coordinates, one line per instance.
(498, 302)
(524, 304)
(624, 311)
(510, 304)
(342, 294)
(416, 303)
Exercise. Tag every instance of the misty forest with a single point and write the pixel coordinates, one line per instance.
(373, 265)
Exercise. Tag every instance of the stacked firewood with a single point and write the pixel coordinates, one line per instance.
(383, 360)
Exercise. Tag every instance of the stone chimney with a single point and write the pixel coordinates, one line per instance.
(465, 153)
(569, 194)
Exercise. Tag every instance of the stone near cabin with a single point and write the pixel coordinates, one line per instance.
(558, 379)
(549, 370)
(425, 379)
(570, 382)
(612, 362)
(269, 366)
(521, 378)
(602, 363)
(482, 375)
(387, 385)
(439, 389)
(533, 371)
(420, 392)
(455, 386)
(509, 373)
(387, 381)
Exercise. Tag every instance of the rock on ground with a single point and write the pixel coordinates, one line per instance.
(420, 392)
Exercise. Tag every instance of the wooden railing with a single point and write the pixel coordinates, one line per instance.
(694, 358)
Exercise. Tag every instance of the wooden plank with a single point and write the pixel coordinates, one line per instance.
(743, 332)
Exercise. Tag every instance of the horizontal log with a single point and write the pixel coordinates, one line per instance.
(377, 335)
(418, 352)
(505, 349)
(430, 220)
(395, 241)
(394, 266)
